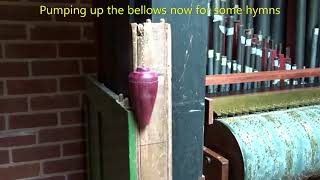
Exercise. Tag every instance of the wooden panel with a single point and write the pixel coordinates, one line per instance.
(93, 143)
(260, 76)
(152, 48)
(216, 167)
(154, 162)
(111, 134)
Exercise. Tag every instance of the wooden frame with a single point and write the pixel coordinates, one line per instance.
(260, 76)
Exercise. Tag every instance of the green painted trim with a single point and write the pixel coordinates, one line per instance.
(111, 135)
(265, 101)
(132, 127)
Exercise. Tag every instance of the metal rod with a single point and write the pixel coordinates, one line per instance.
(269, 68)
(230, 33)
(249, 19)
(278, 22)
(247, 62)
(253, 59)
(312, 22)
(300, 33)
(265, 54)
(234, 71)
(240, 49)
(263, 20)
(295, 82)
(283, 61)
(288, 65)
(253, 53)
(259, 57)
(243, 16)
(235, 39)
(223, 71)
(222, 29)
(217, 68)
(314, 47)
(215, 29)
(229, 71)
(210, 71)
(210, 54)
(235, 4)
(276, 68)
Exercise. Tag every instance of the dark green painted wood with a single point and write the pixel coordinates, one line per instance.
(189, 54)
(93, 143)
(111, 136)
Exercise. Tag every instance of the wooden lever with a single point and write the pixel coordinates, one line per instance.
(215, 166)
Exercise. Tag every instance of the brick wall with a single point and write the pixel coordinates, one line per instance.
(42, 63)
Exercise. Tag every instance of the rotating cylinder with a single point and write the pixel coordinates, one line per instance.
(274, 145)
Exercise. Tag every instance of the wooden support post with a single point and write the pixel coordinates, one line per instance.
(152, 48)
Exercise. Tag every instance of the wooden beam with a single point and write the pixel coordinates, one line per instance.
(260, 76)
(152, 49)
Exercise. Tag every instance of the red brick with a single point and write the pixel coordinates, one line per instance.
(75, 18)
(51, 178)
(63, 165)
(31, 86)
(53, 1)
(19, 171)
(14, 69)
(35, 153)
(77, 176)
(11, 105)
(21, 140)
(12, 32)
(1, 55)
(89, 66)
(77, 50)
(71, 84)
(42, 68)
(21, 13)
(30, 50)
(2, 123)
(1, 88)
(73, 149)
(55, 102)
(60, 134)
(71, 117)
(89, 33)
(4, 157)
(32, 120)
(55, 32)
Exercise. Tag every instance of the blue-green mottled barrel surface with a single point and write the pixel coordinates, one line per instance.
(280, 144)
